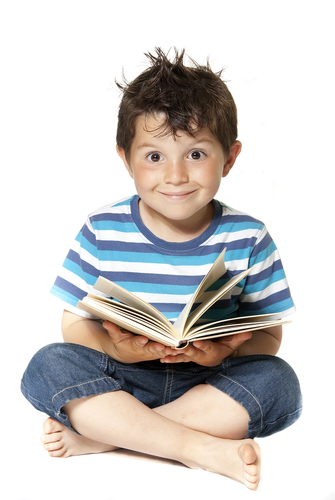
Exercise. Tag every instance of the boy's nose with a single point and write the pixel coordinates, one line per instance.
(175, 173)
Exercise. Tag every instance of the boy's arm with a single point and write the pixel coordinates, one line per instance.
(266, 341)
(109, 339)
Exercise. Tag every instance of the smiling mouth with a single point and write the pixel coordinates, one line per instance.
(177, 196)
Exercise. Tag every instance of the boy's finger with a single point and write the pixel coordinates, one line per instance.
(140, 341)
(156, 347)
(175, 359)
(203, 345)
(116, 334)
(151, 347)
(113, 331)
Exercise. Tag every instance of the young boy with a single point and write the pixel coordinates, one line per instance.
(104, 387)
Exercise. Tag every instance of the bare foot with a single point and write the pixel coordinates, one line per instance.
(60, 441)
(250, 455)
(238, 460)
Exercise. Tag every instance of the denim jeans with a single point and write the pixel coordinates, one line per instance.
(266, 386)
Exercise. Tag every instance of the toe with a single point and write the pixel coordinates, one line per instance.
(251, 478)
(57, 453)
(51, 425)
(51, 438)
(252, 486)
(248, 454)
(48, 425)
(251, 470)
(53, 446)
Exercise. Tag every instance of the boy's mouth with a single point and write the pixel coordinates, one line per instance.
(177, 196)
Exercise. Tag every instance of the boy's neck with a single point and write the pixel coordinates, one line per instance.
(176, 231)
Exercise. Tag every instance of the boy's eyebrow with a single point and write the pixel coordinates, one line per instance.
(145, 145)
(196, 141)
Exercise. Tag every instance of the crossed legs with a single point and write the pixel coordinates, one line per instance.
(204, 428)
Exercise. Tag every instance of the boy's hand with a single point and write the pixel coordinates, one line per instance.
(207, 352)
(129, 348)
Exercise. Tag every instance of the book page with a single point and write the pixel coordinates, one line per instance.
(216, 295)
(112, 306)
(217, 270)
(233, 329)
(113, 290)
(237, 320)
(128, 322)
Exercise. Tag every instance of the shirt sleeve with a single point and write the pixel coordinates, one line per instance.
(79, 272)
(266, 290)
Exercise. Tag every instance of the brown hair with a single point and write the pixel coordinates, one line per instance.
(191, 98)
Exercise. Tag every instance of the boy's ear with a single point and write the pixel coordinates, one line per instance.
(122, 155)
(234, 152)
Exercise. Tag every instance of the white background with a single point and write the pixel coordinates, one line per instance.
(58, 115)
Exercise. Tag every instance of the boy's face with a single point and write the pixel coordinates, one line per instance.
(176, 178)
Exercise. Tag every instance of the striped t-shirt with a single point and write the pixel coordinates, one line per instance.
(115, 243)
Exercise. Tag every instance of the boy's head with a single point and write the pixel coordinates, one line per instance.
(191, 98)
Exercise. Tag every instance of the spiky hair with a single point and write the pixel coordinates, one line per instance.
(191, 98)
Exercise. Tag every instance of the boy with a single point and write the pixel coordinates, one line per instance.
(104, 387)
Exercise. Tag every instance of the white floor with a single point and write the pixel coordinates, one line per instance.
(293, 466)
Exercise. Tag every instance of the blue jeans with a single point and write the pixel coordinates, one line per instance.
(266, 386)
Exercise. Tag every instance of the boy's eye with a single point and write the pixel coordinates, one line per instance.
(154, 157)
(196, 155)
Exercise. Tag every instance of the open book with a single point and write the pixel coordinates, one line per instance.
(137, 316)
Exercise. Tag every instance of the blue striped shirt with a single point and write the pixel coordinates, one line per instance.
(114, 243)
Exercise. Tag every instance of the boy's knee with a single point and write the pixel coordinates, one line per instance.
(284, 379)
(59, 368)
(38, 375)
(284, 397)
(44, 360)
(42, 364)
